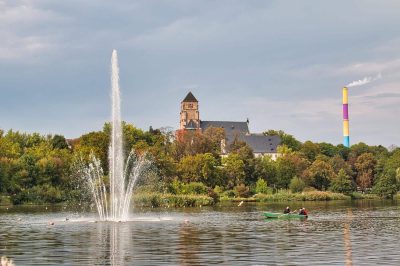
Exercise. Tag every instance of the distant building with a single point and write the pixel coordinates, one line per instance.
(190, 120)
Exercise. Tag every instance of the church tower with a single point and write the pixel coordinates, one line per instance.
(190, 117)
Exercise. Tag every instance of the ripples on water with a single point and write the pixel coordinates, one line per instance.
(335, 234)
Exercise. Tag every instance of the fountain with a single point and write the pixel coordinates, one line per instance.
(113, 205)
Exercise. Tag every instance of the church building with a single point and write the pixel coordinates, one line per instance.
(261, 145)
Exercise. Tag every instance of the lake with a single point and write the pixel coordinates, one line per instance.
(336, 233)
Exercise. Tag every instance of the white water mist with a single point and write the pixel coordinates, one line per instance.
(116, 159)
(113, 205)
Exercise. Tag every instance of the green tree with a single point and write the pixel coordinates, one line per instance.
(343, 151)
(262, 187)
(96, 142)
(234, 170)
(310, 150)
(59, 142)
(386, 186)
(328, 149)
(319, 175)
(198, 168)
(286, 139)
(285, 171)
(338, 164)
(342, 183)
(359, 148)
(9, 149)
(215, 136)
(296, 185)
(265, 168)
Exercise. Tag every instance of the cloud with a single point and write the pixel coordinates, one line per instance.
(19, 47)
(23, 30)
(24, 14)
(384, 95)
(282, 64)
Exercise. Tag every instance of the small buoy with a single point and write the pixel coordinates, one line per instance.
(46, 207)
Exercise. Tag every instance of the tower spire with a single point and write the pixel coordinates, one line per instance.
(190, 117)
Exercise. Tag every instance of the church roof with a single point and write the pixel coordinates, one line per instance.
(261, 143)
(232, 128)
(258, 143)
(190, 98)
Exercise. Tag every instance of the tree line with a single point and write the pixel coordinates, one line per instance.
(37, 168)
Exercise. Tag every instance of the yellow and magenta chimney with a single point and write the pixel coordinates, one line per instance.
(346, 131)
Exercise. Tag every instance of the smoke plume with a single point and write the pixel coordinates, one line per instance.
(363, 81)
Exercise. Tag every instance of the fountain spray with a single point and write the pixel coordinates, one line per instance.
(113, 205)
(116, 159)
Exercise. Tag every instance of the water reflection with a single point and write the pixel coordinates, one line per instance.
(112, 240)
(368, 235)
(347, 240)
(188, 244)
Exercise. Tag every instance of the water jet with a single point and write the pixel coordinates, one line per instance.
(113, 205)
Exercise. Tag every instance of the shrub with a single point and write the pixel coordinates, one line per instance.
(309, 189)
(242, 191)
(196, 188)
(176, 187)
(358, 195)
(297, 185)
(179, 188)
(305, 196)
(218, 190)
(228, 194)
(5, 200)
(38, 194)
(171, 200)
(262, 187)
(212, 194)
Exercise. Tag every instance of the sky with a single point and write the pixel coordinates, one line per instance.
(281, 64)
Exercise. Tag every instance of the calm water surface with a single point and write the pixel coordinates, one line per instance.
(337, 233)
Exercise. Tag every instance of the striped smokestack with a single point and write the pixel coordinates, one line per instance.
(346, 135)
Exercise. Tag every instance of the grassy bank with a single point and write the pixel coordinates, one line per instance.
(154, 199)
(358, 195)
(171, 200)
(5, 201)
(289, 196)
(285, 195)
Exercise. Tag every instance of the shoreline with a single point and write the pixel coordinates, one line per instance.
(155, 200)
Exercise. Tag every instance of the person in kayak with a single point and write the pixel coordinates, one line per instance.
(287, 210)
(303, 211)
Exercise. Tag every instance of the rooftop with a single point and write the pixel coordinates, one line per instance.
(190, 98)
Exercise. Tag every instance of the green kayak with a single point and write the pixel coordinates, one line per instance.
(284, 216)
